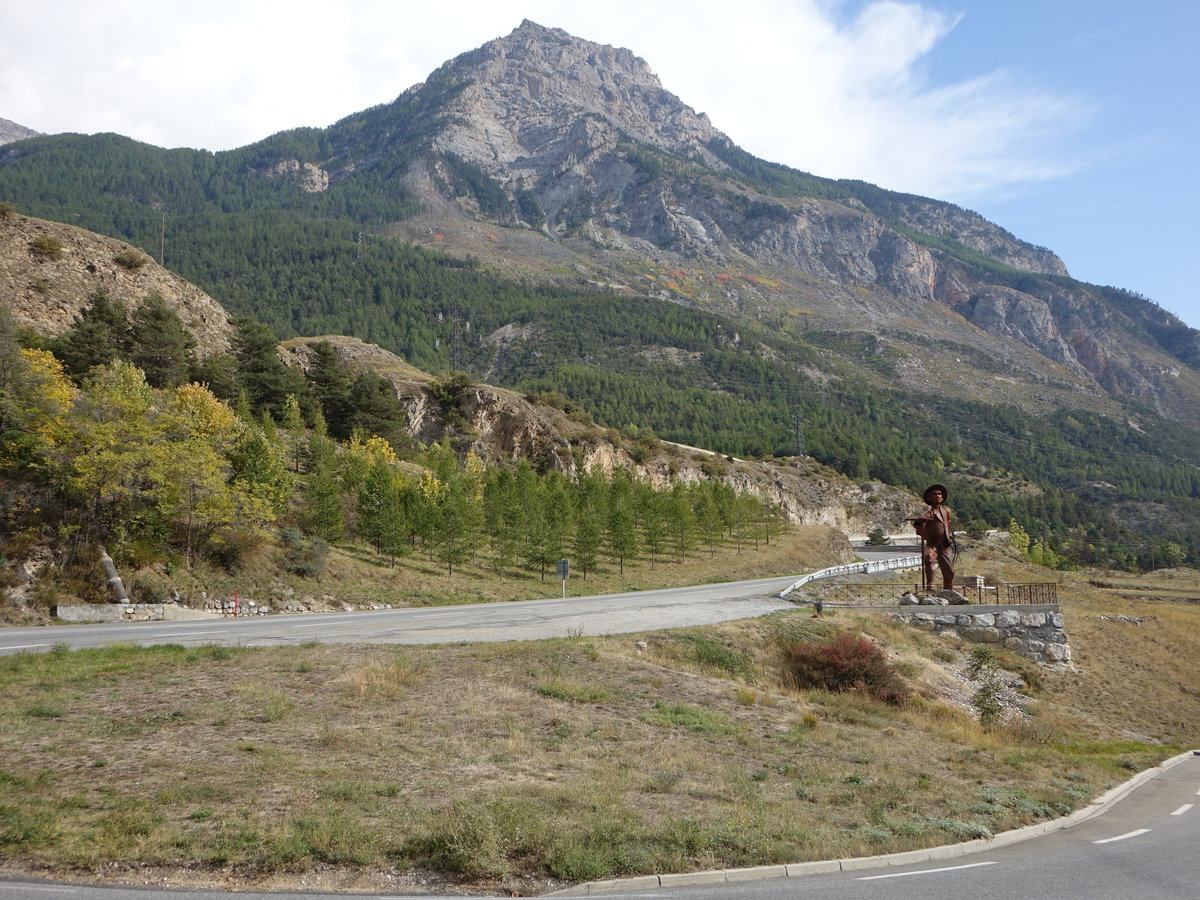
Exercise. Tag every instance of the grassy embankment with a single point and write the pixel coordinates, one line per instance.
(518, 766)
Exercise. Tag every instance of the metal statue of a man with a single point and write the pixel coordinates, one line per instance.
(937, 538)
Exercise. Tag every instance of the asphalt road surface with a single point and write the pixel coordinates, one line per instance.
(525, 620)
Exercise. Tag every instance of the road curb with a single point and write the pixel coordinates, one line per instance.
(947, 851)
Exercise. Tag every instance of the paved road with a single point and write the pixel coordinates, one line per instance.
(607, 614)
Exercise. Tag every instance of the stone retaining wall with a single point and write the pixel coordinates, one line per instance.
(1035, 632)
(125, 612)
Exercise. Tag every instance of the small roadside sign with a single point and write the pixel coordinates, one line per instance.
(563, 568)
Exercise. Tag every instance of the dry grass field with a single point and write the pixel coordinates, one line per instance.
(521, 767)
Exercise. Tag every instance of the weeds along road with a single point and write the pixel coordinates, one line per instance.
(512, 621)
(1142, 845)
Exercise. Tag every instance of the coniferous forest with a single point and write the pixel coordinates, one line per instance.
(296, 263)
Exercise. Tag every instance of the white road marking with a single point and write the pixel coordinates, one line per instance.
(189, 633)
(925, 871)
(1121, 837)
(26, 646)
(1183, 809)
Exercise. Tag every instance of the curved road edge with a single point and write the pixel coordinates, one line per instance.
(946, 851)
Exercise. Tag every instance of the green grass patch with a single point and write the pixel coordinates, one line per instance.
(693, 718)
(573, 692)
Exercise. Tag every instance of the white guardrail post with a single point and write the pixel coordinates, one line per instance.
(881, 565)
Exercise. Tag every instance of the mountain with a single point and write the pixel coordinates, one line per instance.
(543, 154)
(11, 131)
(542, 213)
(584, 145)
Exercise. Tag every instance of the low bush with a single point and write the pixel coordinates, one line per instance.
(844, 662)
(131, 259)
(47, 247)
(305, 557)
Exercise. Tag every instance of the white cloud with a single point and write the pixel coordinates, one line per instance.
(835, 88)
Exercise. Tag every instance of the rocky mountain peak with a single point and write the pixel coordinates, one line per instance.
(540, 99)
(10, 131)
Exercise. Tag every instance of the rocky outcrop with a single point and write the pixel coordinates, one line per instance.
(10, 131)
(46, 289)
(832, 241)
(503, 425)
(310, 178)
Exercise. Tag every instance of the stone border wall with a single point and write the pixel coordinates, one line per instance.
(1035, 632)
(80, 613)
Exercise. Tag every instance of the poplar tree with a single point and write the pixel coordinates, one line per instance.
(621, 525)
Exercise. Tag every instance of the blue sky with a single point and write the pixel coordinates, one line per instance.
(1072, 123)
(1125, 213)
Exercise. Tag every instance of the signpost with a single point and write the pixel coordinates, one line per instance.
(563, 568)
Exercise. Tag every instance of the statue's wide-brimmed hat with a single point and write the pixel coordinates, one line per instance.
(936, 487)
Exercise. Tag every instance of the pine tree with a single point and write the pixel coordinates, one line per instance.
(262, 375)
(330, 388)
(99, 335)
(293, 426)
(372, 408)
(621, 526)
(159, 345)
(682, 521)
(590, 509)
(322, 511)
(502, 517)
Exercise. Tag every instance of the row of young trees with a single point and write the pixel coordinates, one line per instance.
(509, 517)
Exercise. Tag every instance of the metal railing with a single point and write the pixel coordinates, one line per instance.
(881, 594)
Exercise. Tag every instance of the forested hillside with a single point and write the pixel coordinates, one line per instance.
(95, 450)
(676, 286)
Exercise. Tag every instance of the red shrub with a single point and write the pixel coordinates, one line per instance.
(845, 662)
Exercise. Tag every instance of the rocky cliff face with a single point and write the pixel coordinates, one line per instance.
(47, 288)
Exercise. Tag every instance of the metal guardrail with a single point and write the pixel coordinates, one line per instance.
(862, 568)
